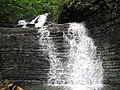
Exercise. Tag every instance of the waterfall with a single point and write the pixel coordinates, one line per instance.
(39, 21)
(85, 68)
(82, 66)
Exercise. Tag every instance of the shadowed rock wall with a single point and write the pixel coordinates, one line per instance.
(106, 33)
(102, 18)
(24, 59)
(21, 56)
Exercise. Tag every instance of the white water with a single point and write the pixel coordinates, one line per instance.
(83, 69)
(39, 21)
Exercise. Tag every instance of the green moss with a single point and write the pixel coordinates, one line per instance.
(12, 10)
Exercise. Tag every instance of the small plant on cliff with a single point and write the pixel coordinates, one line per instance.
(57, 10)
(110, 4)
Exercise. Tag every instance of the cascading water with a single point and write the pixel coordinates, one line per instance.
(39, 21)
(83, 67)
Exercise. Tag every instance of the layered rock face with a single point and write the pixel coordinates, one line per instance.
(106, 34)
(23, 59)
(24, 55)
(102, 18)
(21, 56)
(105, 30)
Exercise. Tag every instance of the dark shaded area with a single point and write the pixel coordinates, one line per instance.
(102, 18)
(82, 10)
(24, 60)
(106, 33)
(8, 24)
(21, 57)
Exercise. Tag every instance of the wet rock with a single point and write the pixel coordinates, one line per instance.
(102, 19)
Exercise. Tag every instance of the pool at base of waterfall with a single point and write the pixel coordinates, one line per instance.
(72, 87)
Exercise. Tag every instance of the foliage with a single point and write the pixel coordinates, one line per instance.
(12, 10)
(110, 4)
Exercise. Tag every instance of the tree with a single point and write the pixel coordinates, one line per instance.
(13, 10)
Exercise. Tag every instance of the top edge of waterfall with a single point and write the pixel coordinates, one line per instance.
(65, 25)
(40, 21)
(37, 22)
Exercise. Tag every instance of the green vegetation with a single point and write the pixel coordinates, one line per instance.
(12, 10)
(110, 4)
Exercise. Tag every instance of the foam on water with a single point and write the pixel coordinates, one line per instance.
(83, 69)
(79, 87)
(40, 20)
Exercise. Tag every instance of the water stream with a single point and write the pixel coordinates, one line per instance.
(83, 68)
(38, 21)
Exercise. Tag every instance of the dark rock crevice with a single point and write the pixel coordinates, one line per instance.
(80, 10)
